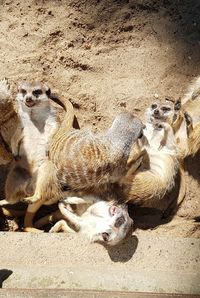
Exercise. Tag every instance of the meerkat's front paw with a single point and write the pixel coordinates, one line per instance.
(30, 200)
(17, 157)
(32, 230)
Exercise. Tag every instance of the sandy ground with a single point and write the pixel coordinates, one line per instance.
(106, 56)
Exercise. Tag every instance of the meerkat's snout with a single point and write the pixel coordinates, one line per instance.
(29, 101)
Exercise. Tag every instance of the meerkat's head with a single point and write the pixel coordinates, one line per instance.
(156, 112)
(109, 223)
(125, 130)
(33, 95)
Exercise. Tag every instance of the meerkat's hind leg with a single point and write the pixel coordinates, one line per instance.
(70, 216)
(49, 218)
(30, 213)
(44, 180)
(61, 226)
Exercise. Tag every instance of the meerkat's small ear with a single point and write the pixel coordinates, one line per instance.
(19, 86)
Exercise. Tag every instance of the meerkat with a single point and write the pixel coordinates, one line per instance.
(156, 175)
(84, 161)
(8, 122)
(106, 222)
(147, 186)
(190, 106)
(184, 119)
(29, 144)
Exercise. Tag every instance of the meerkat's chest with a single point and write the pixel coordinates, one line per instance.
(35, 139)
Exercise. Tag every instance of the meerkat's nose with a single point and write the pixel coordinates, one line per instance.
(29, 99)
(156, 112)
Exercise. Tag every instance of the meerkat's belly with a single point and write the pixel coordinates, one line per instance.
(33, 145)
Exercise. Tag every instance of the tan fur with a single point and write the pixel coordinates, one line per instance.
(157, 173)
(101, 221)
(85, 161)
(184, 120)
(5, 155)
(191, 106)
(48, 187)
(8, 122)
(30, 141)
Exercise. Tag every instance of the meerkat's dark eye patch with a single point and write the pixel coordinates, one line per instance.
(48, 92)
(119, 221)
(105, 236)
(23, 91)
(37, 92)
(165, 108)
(154, 106)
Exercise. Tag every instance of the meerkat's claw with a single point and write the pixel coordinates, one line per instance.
(30, 200)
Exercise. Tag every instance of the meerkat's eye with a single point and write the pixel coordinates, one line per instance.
(154, 106)
(165, 109)
(23, 91)
(119, 221)
(37, 92)
(105, 236)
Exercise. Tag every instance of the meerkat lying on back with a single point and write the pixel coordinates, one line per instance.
(101, 221)
(81, 160)
(156, 175)
(184, 119)
(30, 141)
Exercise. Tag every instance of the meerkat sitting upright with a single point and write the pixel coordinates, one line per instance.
(83, 161)
(8, 122)
(30, 141)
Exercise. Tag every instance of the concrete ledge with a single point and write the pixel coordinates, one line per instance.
(61, 261)
(51, 293)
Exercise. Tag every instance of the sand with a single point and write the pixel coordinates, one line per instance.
(107, 56)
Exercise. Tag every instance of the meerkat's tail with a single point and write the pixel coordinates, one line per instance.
(69, 120)
(5, 94)
(193, 91)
